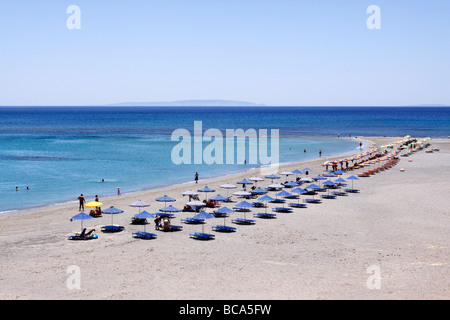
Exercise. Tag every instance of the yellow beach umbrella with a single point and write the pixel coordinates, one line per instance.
(93, 204)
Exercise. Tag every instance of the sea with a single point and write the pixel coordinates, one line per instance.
(53, 154)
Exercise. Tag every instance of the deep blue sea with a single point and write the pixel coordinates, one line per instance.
(60, 152)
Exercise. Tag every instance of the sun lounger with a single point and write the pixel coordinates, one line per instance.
(351, 190)
(282, 209)
(243, 221)
(112, 228)
(202, 236)
(265, 215)
(364, 174)
(297, 205)
(144, 235)
(220, 214)
(222, 228)
(258, 204)
(340, 193)
(139, 221)
(328, 196)
(311, 200)
(170, 228)
(278, 201)
(193, 220)
(84, 235)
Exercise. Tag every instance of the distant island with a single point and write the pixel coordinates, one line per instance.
(189, 103)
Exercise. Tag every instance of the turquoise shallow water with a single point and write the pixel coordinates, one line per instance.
(62, 152)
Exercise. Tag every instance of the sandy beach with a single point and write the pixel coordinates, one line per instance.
(399, 225)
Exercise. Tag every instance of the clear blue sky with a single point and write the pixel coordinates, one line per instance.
(285, 52)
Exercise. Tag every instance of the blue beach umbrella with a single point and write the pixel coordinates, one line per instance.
(170, 209)
(81, 216)
(244, 182)
(291, 184)
(165, 199)
(339, 172)
(266, 198)
(223, 210)
(330, 175)
(307, 169)
(258, 190)
(218, 197)
(328, 183)
(313, 186)
(144, 215)
(203, 215)
(283, 194)
(206, 189)
(244, 204)
(112, 211)
(299, 191)
(340, 180)
(297, 172)
(272, 176)
(352, 178)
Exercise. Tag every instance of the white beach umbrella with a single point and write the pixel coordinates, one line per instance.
(228, 186)
(242, 193)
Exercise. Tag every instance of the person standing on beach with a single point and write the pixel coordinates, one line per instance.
(118, 191)
(320, 153)
(196, 177)
(360, 145)
(82, 201)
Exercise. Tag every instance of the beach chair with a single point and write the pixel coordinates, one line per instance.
(328, 196)
(222, 228)
(258, 204)
(311, 200)
(282, 209)
(297, 205)
(340, 193)
(243, 221)
(351, 190)
(201, 236)
(139, 221)
(84, 235)
(264, 215)
(170, 228)
(112, 228)
(190, 220)
(144, 235)
(278, 201)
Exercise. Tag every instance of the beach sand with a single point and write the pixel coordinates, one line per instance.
(399, 225)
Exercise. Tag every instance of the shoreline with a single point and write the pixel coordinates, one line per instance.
(365, 140)
(398, 223)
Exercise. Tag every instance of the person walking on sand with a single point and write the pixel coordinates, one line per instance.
(196, 177)
(82, 202)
